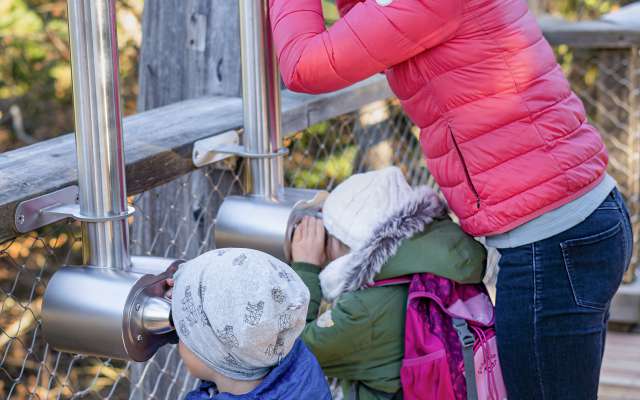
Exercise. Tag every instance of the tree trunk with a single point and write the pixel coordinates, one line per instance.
(190, 48)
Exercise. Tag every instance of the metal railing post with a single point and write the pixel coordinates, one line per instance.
(98, 122)
(261, 99)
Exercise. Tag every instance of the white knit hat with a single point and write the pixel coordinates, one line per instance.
(357, 206)
(239, 310)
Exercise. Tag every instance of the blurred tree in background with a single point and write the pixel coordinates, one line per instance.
(35, 77)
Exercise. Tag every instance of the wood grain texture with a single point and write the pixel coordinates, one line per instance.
(620, 377)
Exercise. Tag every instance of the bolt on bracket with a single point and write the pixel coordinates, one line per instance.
(56, 206)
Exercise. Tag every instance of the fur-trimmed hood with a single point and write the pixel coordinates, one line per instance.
(358, 269)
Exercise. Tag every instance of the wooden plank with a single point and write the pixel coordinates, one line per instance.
(620, 377)
(628, 15)
(625, 307)
(301, 111)
(589, 34)
(189, 51)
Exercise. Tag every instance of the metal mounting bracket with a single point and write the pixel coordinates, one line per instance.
(217, 148)
(56, 206)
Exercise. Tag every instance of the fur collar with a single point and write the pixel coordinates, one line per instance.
(357, 269)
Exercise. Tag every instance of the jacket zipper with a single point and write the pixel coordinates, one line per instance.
(464, 167)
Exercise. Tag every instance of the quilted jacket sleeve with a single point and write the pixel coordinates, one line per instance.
(369, 39)
(348, 330)
(310, 275)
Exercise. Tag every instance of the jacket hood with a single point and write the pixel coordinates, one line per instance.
(358, 269)
(298, 376)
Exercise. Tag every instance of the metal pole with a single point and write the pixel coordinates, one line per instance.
(96, 98)
(261, 98)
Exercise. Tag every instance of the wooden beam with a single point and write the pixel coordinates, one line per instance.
(158, 143)
(589, 34)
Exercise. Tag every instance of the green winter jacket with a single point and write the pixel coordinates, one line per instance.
(360, 339)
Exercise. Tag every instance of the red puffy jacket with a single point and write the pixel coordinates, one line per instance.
(503, 134)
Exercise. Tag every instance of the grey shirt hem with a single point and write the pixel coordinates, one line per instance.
(555, 221)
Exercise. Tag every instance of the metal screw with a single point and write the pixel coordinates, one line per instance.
(21, 219)
(139, 338)
(137, 307)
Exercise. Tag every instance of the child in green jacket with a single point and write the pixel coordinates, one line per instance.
(377, 227)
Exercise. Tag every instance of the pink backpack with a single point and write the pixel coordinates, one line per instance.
(449, 330)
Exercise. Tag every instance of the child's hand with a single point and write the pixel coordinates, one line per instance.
(169, 283)
(308, 242)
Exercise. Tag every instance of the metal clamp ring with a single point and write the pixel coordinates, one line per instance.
(73, 211)
(55, 206)
(240, 151)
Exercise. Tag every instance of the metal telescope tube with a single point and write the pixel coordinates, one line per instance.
(261, 99)
(98, 122)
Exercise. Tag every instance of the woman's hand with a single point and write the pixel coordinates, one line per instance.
(308, 242)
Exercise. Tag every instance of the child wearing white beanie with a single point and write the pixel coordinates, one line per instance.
(375, 227)
(238, 314)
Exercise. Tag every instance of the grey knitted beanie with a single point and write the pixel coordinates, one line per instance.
(239, 310)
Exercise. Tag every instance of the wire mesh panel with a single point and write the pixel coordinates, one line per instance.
(377, 136)
(28, 367)
(179, 226)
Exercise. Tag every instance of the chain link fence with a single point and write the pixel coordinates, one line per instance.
(178, 219)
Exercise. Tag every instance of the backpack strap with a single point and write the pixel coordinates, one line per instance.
(402, 280)
(467, 339)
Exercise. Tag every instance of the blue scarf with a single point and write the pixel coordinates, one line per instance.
(298, 376)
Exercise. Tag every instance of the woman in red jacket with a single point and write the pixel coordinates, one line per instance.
(509, 144)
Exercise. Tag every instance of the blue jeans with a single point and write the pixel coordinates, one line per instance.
(552, 306)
